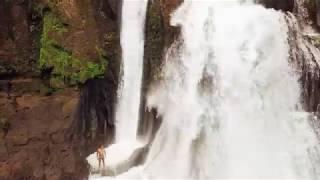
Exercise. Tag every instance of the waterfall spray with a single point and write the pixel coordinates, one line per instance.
(228, 98)
(121, 155)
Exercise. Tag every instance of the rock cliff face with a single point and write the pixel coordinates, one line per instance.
(304, 56)
(39, 99)
(158, 38)
(36, 146)
(166, 8)
(19, 31)
(303, 31)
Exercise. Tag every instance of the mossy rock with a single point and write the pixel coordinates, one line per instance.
(45, 90)
(66, 68)
(57, 83)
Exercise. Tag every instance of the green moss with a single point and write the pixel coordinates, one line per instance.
(57, 83)
(66, 68)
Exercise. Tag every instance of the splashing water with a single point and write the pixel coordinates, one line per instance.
(228, 95)
(228, 98)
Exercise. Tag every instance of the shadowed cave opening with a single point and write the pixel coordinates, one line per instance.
(94, 123)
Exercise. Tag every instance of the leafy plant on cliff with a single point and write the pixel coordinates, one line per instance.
(65, 66)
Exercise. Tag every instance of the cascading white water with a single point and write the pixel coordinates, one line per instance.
(129, 92)
(132, 43)
(228, 98)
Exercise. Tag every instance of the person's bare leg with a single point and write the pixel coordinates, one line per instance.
(103, 163)
(99, 162)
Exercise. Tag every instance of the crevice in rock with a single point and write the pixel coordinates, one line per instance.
(93, 123)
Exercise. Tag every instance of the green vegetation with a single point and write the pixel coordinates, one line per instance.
(65, 67)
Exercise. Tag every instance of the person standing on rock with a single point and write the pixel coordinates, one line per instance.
(101, 153)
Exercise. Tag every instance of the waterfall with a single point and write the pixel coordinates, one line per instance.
(229, 99)
(123, 153)
(228, 96)
(132, 43)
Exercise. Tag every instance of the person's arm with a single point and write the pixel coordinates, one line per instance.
(97, 152)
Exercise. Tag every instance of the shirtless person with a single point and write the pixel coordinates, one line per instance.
(101, 153)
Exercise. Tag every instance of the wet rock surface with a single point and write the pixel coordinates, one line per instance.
(305, 55)
(94, 123)
(167, 8)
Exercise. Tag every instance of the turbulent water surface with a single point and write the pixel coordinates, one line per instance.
(227, 98)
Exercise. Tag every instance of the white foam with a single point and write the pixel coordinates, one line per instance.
(116, 155)
(226, 99)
